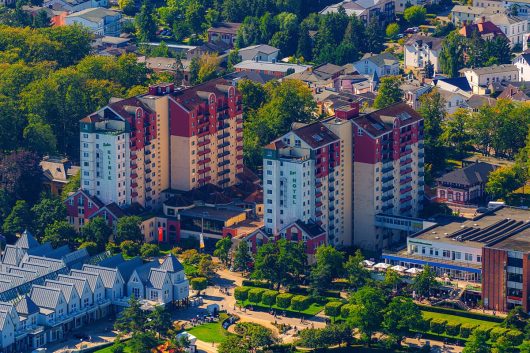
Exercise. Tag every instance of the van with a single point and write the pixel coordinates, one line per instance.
(495, 204)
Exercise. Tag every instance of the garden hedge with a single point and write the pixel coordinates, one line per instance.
(462, 313)
(284, 300)
(241, 293)
(452, 328)
(438, 325)
(333, 309)
(515, 337)
(347, 310)
(497, 332)
(269, 297)
(251, 283)
(254, 295)
(300, 302)
(466, 329)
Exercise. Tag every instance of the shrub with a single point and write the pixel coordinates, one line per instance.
(347, 310)
(269, 297)
(333, 309)
(149, 250)
(90, 246)
(463, 313)
(466, 329)
(452, 328)
(497, 332)
(515, 337)
(241, 293)
(130, 248)
(438, 325)
(300, 302)
(284, 300)
(254, 295)
(117, 347)
(199, 283)
(252, 283)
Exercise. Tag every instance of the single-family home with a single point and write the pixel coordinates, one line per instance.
(380, 10)
(277, 69)
(520, 8)
(56, 172)
(379, 65)
(419, 50)
(74, 5)
(516, 91)
(98, 20)
(225, 32)
(321, 76)
(486, 29)
(453, 100)
(496, 5)
(484, 80)
(522, 62)
(464, 14)
(112, 281)
(260, 52)
(412, 91)
(475, 102)
(513, 27)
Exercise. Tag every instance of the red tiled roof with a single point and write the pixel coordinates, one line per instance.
(189, 98)
(376, 123)
(225, 27)
(316, 135)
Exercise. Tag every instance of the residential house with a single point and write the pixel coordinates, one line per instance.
(484, 80)
(496, 5)
(260, 52)
(464, 14)
(112, 281)
(277, 69)
(513, 27)
(464, 185)
(56, 17)
(486, 29)
(521, 8)
(377, 65)
(178, 68)
(382, 11)
(74, 5)
(56, 173)
(421, 50)
(321, 76)
(453, 100)
(475, 102)
(98, 20)
(522, 62)
(516, 91)
(225, 32)
(412, 91)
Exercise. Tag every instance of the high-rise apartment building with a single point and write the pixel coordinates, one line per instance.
(388, 174)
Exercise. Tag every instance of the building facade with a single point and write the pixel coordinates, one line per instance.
(483, 80)
(421, 50)
(98, 20)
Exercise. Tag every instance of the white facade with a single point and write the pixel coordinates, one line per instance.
(514, 28)
(74, 6)
(421, 50)
(98, 20)
(381, 65)
(522, 62)
(480, 79)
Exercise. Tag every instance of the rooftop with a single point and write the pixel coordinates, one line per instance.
(95, 14)
(269, 66)
(225, 27)
(212, 213)
(491, 69)
(380, 122)
(473, 174)
(432, 42)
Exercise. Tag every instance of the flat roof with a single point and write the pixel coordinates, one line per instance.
(500, 227)
(217, 214)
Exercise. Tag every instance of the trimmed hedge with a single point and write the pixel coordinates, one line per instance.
(466, 329)
(284, 300)
(468, 314)
(333, 309)
(438, 325)
(251, 283)
(515, 337)
(347, 310)
(241, 293)
(498, 332)
(300, 302)
(452, 328)
(254, 295)
(269, 297)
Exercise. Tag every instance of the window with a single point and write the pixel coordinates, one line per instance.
(136, 292)
(468, 257)
(359, 132)
(446, 253)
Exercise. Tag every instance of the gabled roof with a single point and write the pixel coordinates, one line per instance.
(380, 122)
(78, 282)
(225, 27)
(95, 14)
(260, 48)
(171, 264)
(27, 241)
(433, 43)
(316, 135)
(191, 97)
(126, 268)
(66, 288)
(42, 250)
(26, 306)
(45, 297)
(380, 59)
(143, 271)
(108, 275)
(12, 255)
(156, 278)
(91, 277)
(4, 318)
(483, 28)
(471, 175)
(311, 229)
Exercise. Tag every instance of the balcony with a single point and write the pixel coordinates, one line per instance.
(134, 157)
(203, 132)
(318, 204)
(134, 184)
(318, 214)
(134, 166)
(239, 166)
(318, 194)
(203, 152)
(239, 156)
(223, 154)
(318, 185)
(405, 199)
(204, 180)
(223, 126)
(404, 153)
(239, 148)
(223, 135)
(203, 143)
(134, 194)
(387, 169)
(148, 189)
(223, 181)
(134, 175)
(386, 198)
(239, 129)
(223, 163)
(239, 138)
(387, 178)
(239, 120)
(223, 172)
(406, 161)
(204, 161)
(405, 209)
(405, 190)
(223, 145)
(387, 208)
(405, 171)
(387, 188)
(204, 170)
(406, 180)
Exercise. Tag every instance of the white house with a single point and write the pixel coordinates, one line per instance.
(461, 14)
(99, 20)
(381, 10)
(496, 5)
(74, 5)
(260, 52)
(482, 79)
(513, 27)
(70, 294)
(520, 7)
(522, 62)
(453, 100)
(82, 287)
(384, 64)
(112, 281)
(420, 50)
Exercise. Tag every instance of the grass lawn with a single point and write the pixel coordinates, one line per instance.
(460, 319)
(313, 309)
(108, 350)
(210, 332)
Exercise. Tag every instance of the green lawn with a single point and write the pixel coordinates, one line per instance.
(313, 309)
(460, 319)
(210, 332)
(108, 350)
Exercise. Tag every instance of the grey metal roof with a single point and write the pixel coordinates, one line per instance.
(471, 175)
(143, 271)
(12, 255)
(45, 297)
(78, 282)
(44, 261)
(108, 275)
(76, 258)
(58, 253)
(3, 318)
(112, 261)
(26, 241)
(8, 308)
(41, 269)
(41, 250)
(26, 306)
(92, 278)
(171, 264)
(156, 278)
(28, 274)
(15, 280)
(68, 289)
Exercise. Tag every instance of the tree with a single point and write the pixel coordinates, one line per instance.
(142, 342)
(425, 281)
(222, 250)
(128, 228)
(328, 266)
(392, 30)
(18, 220)
(199, 284)
(432, 109)
(194, 15)
(132, 318)
(39, 137)
(368, 313)
(304, 46)
(415, 15)
(525, 347)
(73, 184)
(208, 65)
(242, 257)
(59, 233)
(145, 23)
(206, 267)
(130, 248)
(357, 273)
(456, 132)
(194, 70)
(232, 344)
(374, 37)
(47, 211)
(127, 6)
(233, 59)
(452, 54)
(429, 69)
(253, 95)
(477, 343)
(517, 319)
(20, 175)
(400, 317)
(505, 180)
(389, 92)
(392, 279)
(159, 321)
(90, 246)
(149, 250)
(255, 336)
(97, 230)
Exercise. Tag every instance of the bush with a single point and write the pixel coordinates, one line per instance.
(347, 310)
(452, 328)
(254, 295)
(284, 300)
(90, 246)
(462, 313)
(149, 250)
(241, 293)
(300, 302)
(466, 329)
(269, 297)
(497, 332)
(252, 283)
(333, 309)
(515, 337)
(130, 248)
(117, 347)
(199, 283)
(438, 325)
